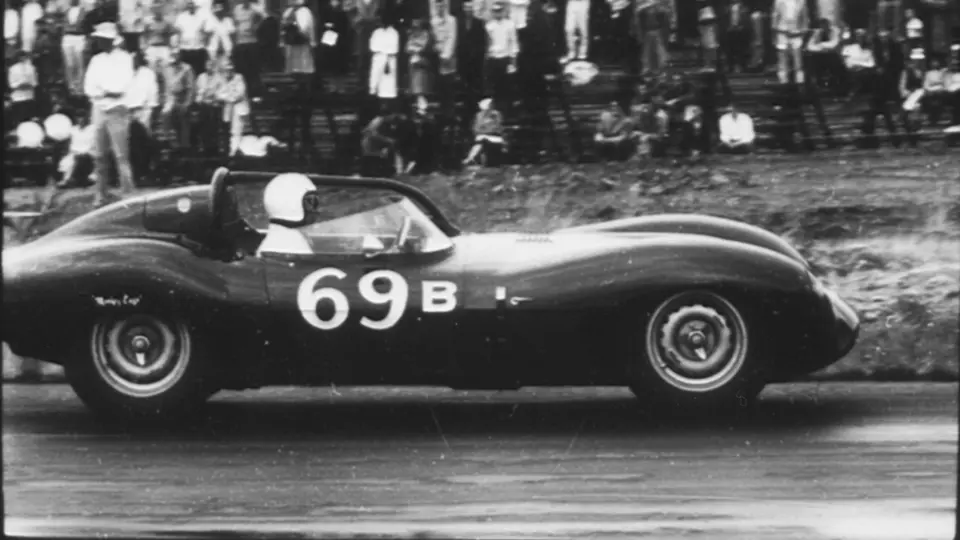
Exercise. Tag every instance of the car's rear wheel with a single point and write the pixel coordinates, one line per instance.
(697, 353)
(138, 366)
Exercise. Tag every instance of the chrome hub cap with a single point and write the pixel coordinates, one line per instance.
(697, 346)
(140, 355)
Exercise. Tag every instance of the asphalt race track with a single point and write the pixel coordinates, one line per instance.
(858, 461)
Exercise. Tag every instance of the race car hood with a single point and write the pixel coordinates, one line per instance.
(574, 268)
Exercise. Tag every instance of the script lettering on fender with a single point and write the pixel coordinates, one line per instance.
(437, 297)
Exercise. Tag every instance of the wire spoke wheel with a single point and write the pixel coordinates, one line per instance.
(697, 342)
(140, 356)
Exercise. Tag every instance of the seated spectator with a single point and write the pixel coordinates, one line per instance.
(935, 94)
(652, 127)
(489, 143)
(76, 167)
(860, 63)
(22, 81)
(911, 84)
(379, 146)
(614, 136)
(679, 100)
(825, 60)
(737, 133)
(179, 91)
(232, 96)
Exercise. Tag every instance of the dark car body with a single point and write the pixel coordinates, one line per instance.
(531, 309)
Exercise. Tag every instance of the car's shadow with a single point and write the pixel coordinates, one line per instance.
(399, 417)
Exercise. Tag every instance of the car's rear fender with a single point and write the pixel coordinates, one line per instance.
(56, 288)
(726, 229)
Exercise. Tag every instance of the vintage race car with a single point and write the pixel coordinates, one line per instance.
(153, 304)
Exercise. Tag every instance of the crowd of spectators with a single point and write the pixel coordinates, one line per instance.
(131, 73)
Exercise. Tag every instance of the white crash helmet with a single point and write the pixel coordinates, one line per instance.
(30, 135)
(283, 198)
(58, 126)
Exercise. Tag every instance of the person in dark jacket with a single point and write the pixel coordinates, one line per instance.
(471, 52)
(538, 58)
(334, 36)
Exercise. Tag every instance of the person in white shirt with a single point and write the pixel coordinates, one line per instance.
(518, 13)
(29, 15)
(107, 80)
(860, 63)
(22, 82)
(77, 166)
(502, 50)
(131, 15)
(914, 30)
(577, 28)
(192, 34)
(737, 133)
(384, 47)
(11, 26)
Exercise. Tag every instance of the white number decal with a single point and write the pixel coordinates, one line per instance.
(438, 297)
(308, 298)
(396, 295)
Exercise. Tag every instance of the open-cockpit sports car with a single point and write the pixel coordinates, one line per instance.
(153, 304)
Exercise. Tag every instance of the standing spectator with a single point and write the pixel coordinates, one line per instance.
(790, 23)
(298, 28)
(378, 146)
(236, 107)
(419, 48)
(425, 142)
(48, 58)
(384, 45)
(501, 62)
(517, 12)
(577, 29)
(620, 20)
(30, 13)
(143, 96)
(650, 28)
(247, 17)
(472, 48)
(73, 44)
(738, 36)
(108, 77)
(826, 64)
(222, 31)
(758, 43)
(192, 32)
(335, 39)
(179, 91)
(538, 58)
(859, 62)
(157, 36)
(709, 39)
(913, 30)
(736, 131)
(131, 19)
(210, 114)
(445, 41)
(365, 22)
(938, 20)
(22, 81)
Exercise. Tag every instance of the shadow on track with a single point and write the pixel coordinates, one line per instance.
(401, 417)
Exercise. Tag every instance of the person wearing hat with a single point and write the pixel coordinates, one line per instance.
(22, 82)
(108, 77)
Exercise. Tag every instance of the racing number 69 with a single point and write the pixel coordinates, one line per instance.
(396, 294)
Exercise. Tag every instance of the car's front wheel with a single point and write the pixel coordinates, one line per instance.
(139, 366)
(698, 354)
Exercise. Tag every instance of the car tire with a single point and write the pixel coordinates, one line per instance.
(140, 366)
(699, 354)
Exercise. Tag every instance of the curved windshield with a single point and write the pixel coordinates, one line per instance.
(349, 233)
